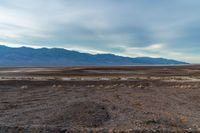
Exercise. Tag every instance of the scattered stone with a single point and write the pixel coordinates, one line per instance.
(85, 114)
(24, 87)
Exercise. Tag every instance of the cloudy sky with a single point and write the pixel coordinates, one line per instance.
(155, 28)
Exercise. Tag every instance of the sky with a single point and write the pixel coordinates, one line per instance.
(133, 28)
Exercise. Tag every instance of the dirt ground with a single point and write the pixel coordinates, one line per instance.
(100, 99)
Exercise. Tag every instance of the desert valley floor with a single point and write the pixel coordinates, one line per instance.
(100, 99)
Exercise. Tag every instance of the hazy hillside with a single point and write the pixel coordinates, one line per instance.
(24, 56)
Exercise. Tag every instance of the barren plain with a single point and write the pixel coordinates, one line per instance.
(100, 99)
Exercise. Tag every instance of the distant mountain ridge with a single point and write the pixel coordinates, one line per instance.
(58, 57)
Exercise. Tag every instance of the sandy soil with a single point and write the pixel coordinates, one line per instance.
(100, 99)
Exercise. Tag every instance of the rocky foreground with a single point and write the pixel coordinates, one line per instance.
(120, 99)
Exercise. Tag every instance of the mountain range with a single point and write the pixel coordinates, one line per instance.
(58, 57)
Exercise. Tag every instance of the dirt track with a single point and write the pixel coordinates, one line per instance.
(106, 99)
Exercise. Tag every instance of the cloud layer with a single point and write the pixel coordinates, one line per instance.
(153, 28)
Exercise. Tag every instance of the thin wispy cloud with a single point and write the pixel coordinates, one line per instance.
(154, 28)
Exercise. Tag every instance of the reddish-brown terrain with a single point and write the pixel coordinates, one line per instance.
(100, 99)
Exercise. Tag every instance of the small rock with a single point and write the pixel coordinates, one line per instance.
(24, 87)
